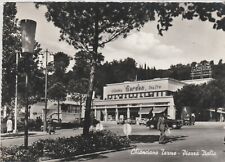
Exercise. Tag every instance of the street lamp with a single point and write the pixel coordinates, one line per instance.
(28, 28)
(16, 95)
(46, 89)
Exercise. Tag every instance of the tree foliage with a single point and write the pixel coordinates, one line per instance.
(57, 92)
(202, 97)
(189, 95)
(12, 47)
(82, 66)
(60, 63)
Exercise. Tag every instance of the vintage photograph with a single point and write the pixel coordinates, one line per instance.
(113, 81)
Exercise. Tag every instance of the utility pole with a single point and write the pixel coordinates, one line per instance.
(46, 90)
(16, 95)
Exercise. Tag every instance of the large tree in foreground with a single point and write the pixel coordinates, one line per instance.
(90, 26)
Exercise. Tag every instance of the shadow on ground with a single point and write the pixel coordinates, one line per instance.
(99, 156)
(153, 138)
(85, 158)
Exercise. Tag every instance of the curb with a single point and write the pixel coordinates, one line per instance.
(88, 154)
(22, 136)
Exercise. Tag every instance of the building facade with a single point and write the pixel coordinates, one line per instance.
(135, 100)
(70, 111)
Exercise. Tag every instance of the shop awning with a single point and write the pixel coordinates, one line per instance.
(145, 110)
(157, 110)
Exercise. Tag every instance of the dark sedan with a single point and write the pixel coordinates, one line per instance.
(175, 124)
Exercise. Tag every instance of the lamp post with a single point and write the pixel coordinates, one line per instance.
(46, 88)
(28, 28)
(16, 95)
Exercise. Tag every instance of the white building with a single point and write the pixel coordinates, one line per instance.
(70, 111)
(198, 81)
(132, 100)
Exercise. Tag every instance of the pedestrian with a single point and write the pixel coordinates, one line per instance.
(51, 126)
(150, 115)
(9, 125)
(192, 119)
(38, 123)
(162, 127)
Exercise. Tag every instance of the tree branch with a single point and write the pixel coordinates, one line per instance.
(114, 36)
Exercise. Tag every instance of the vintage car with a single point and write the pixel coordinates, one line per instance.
(172, 123)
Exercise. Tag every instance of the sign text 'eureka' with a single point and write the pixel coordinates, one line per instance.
(136, 88)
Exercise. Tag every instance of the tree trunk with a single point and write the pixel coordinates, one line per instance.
(80, 108)
(87, 119)
(58, 111)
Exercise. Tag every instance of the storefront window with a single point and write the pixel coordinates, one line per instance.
(110, 97)
(133, 95)
(141, 95)
(168, 93)
(120, 96)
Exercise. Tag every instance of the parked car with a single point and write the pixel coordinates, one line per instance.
(56, 123)
(172, 123)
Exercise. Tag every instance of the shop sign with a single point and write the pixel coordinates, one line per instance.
(136, 88)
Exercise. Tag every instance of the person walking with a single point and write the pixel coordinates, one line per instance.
(51, 128)
(162, 127)
(9, 125)
(38, 123)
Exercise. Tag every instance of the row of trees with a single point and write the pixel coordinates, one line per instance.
(201, 97)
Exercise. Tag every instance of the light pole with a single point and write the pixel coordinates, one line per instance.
(28, 28)
(16, 95)
(46, 90)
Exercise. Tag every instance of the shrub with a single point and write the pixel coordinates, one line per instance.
(66, 147)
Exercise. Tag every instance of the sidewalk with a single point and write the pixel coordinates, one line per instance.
(5, 136)
(209, 124)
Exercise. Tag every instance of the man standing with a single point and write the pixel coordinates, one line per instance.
(162, 127)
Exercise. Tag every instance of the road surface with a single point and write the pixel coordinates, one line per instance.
(202, 142)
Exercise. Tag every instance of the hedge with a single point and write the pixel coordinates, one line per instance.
(65, 147)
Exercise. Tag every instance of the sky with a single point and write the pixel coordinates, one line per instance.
(185, 42)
